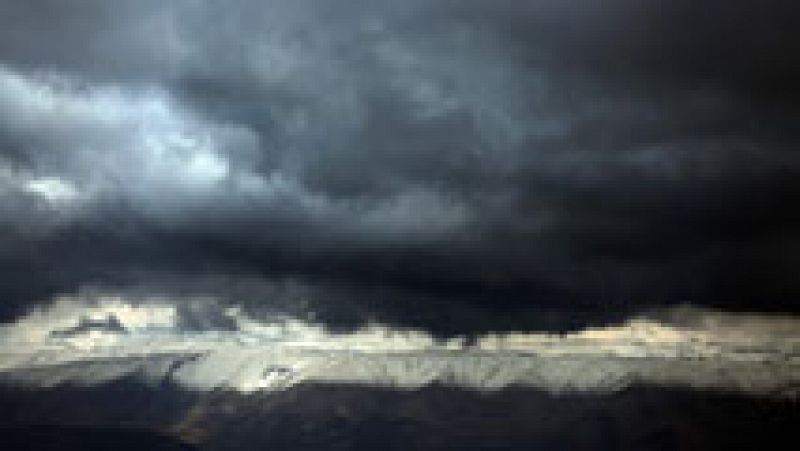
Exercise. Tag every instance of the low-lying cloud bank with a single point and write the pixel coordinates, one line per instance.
(107, 339)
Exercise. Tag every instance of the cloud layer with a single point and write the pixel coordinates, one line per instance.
(90, 341)
(407, 162)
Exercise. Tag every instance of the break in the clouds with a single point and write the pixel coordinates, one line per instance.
(396, 160)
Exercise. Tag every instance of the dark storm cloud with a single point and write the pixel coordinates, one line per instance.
(572, 155)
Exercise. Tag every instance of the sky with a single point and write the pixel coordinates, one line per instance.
(457, 166)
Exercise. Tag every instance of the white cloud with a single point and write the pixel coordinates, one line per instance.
(699, 349)
(53, 189)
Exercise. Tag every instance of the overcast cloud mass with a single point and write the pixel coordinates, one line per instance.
(437, 164)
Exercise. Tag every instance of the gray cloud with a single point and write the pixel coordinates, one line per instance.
(574, 155)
